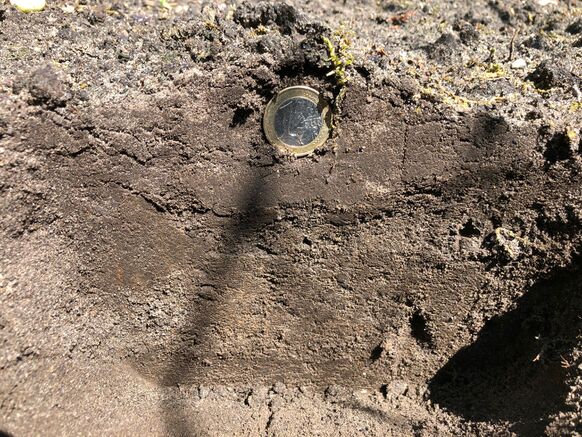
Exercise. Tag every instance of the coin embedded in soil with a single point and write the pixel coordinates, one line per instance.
(297, 120)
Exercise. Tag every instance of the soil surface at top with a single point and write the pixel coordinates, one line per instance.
(164, 270)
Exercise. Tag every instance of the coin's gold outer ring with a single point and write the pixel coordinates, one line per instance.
(274, 105)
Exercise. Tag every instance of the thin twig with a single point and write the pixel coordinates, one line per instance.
(512, 44)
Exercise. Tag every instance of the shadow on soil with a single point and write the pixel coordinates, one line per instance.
(498, 377)
(222, 279)
(514, 370)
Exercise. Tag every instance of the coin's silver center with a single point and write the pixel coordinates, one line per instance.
(297, 122)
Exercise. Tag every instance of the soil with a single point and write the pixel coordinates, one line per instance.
(165, 271)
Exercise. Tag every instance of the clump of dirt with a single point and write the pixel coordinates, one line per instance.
(166, 271)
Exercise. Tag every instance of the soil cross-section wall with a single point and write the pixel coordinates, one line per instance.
(166, 271)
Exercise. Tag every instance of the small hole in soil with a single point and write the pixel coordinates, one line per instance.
(469, 229)
(419, 328)
(558, 148)
(376, 352)
(240, 116)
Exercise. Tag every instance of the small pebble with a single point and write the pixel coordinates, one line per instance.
(28, 5)
(278, 388)
(203, 392)
(518, 64)
(394, 389)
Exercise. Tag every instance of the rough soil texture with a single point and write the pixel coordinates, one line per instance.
(165, 272)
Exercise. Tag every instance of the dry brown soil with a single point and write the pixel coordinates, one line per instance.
(165, 271)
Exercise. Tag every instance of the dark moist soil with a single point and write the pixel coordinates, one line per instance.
(164, 271)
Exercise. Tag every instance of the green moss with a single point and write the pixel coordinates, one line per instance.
(341, 57)
(494, 71)
(510, 242)
(341, 60)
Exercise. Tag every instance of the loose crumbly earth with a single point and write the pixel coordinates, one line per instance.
(164, 271)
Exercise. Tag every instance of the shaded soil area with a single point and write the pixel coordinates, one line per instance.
(165, 271)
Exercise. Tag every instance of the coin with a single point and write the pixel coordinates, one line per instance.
(297, 120)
